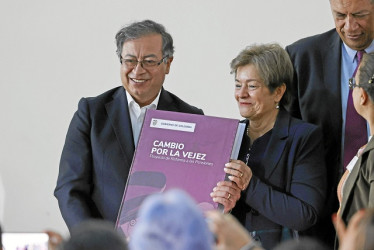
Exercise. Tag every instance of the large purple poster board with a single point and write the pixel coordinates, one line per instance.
(177, 150)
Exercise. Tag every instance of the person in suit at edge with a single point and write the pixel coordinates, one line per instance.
(357, 191)
(104, 131)
(281, 169)
(323, 64)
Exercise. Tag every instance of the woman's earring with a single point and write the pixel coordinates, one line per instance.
(277, 107)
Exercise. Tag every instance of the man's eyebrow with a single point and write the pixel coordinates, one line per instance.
(150, 55)
(361, 12)
(338, 12)
(146, 56)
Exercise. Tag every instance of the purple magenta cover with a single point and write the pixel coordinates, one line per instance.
(187, 158)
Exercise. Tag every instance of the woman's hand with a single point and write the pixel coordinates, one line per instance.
(227, 193)
(239, 173)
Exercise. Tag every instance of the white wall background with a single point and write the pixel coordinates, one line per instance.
(54, 52)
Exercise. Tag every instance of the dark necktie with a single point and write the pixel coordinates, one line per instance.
(355, 125)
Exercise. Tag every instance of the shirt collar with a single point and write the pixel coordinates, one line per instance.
(132, 102)
(352, 53)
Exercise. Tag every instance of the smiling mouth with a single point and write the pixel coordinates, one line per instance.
(353, 36)
(138, 80)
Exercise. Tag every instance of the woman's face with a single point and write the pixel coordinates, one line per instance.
(252, 95)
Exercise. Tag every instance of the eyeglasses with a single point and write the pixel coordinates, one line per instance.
(146, 64)
(352, 83)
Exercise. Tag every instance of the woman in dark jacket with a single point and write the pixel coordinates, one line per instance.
(277, 187)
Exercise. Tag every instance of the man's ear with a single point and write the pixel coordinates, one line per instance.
(363, 96)
(168, 63)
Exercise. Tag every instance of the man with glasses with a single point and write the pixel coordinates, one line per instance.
(103, 133)
(323, 65)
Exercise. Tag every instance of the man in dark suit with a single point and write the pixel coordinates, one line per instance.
(323, 64)
(104, 131)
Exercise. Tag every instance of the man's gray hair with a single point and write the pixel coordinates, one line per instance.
(139, 29)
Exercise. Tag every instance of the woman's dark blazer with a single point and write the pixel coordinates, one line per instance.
(289, 189)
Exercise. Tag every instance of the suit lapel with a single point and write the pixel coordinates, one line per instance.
(118, 113)
(331, 60)
(277, 143)
(349, 184)
(332, 75)
(369, 146)
(165, 102)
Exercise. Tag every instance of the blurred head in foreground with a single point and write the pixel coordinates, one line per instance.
(94, 235)
(171, 220)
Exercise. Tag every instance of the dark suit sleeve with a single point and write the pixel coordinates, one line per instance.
(300, 208)
(74, 184)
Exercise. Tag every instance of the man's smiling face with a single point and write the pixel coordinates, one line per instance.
(144, 83)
